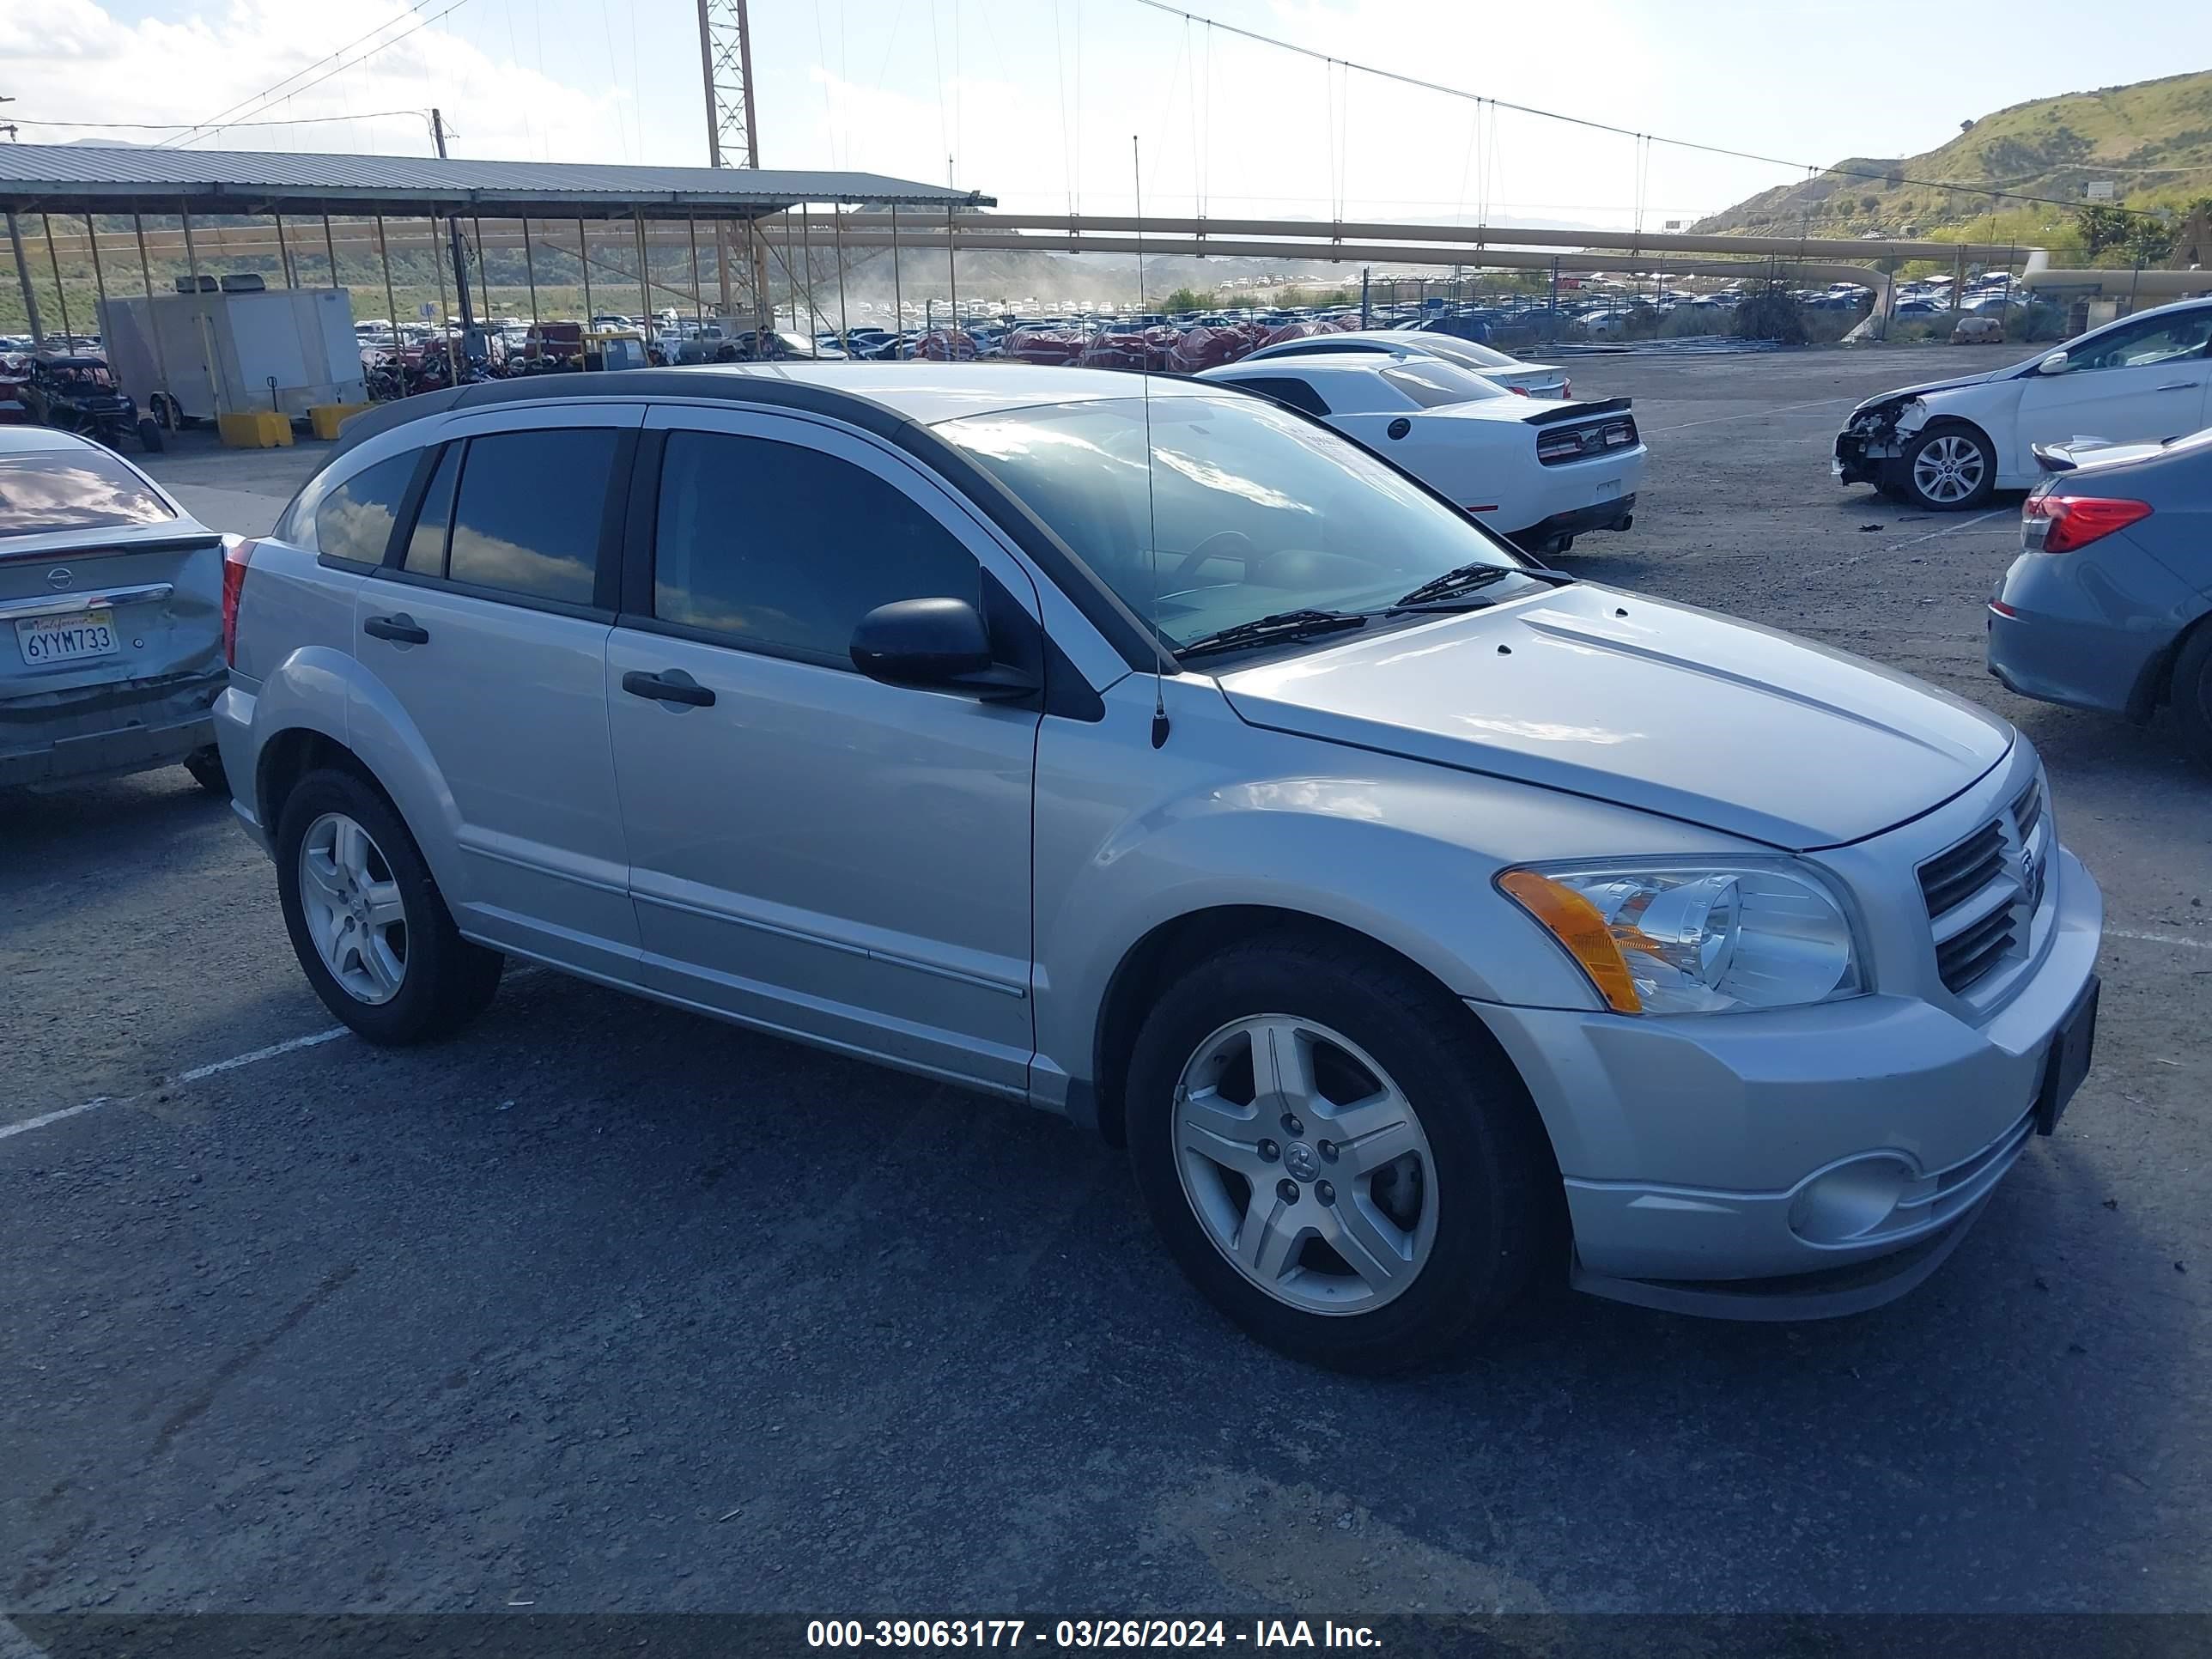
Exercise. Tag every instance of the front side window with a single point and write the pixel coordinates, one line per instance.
(527, 510)
(354, 520)
(1257, 511)
(74, 488)
(2146, 344)
(785, 548)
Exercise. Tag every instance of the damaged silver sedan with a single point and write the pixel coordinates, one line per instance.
(111, 618)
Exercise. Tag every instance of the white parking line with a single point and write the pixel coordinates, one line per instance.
(1952, 529)
(1747, 414)
(311, 1040)
(2186, 943)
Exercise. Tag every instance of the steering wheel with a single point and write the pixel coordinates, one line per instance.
(1208, 548)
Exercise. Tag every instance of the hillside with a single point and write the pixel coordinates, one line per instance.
(2152, 141)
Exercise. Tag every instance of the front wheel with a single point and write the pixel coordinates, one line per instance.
(1336, 1157)
(366, 921)
(1948, 470)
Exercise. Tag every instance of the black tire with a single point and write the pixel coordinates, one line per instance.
(2191, 692)
(1901, 483)
(149, 437)
(447, 981)
(1499, 1227)
(163, 411)
(206, 767)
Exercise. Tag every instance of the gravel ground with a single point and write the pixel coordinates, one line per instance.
(603, 1307)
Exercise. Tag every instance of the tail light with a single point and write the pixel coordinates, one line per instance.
(2060, 524)
(237, 554)
(1567, 388)
(1518, 391)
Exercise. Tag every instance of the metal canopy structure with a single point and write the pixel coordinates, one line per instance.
(59, 178)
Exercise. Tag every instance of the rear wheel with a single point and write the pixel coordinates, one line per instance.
(2192, 693)
(367, 922)
(1335, 1157)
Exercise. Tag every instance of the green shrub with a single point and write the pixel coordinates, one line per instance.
(1770, 314)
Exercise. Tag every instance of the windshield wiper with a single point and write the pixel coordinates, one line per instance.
(1452, 583)
(1281, 625)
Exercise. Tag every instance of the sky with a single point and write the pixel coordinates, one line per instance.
(1035, 102)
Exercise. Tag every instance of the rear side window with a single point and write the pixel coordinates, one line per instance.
(353, 521)
(1297, 394)
(526, 516)
(785, 548)
(426, 543)
(73, 489)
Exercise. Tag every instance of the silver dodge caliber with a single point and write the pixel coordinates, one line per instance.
(1428, 925)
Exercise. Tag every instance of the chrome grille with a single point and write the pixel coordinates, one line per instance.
(1971, 894)
(1983, 893)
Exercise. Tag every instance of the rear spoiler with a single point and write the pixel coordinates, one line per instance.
(94, 549)
(2051, 459)
(1577, 411)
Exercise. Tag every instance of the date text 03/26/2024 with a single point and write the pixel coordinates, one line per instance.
(955, 1633)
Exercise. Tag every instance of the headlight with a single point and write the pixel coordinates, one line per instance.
(1667, 939)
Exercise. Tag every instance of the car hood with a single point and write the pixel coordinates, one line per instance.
(1659, 707)
(1905, 391)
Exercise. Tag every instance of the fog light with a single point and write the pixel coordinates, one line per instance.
(1849, 1201)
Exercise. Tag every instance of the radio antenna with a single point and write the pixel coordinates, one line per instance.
(1151, 506)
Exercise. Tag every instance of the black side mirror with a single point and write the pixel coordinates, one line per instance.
(934, 643)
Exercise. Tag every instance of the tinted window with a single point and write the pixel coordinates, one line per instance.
(353, 521)
(785, 547)
(73, 489)
(426, 543)
(1284, 389)
(527, 520)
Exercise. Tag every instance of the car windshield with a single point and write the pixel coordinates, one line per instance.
(1258, 512)
(1433, 384)
(73, 489)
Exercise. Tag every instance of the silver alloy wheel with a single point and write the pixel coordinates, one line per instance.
(1948, 469)
(353, 908)
(1305, 1164)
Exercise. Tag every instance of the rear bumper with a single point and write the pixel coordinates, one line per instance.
(130, 728)
(2092, 629)
(1598, 515)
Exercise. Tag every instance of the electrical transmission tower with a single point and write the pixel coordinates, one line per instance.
(726, 58)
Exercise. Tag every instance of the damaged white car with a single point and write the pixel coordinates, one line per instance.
(1949, 445)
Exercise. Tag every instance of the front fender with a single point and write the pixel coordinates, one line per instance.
(1398, 851)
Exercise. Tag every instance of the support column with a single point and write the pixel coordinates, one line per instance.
(445, 332)
(844, 325)
(530, 269)
(153, 325)
(54, 258)
(584, 264)
(644, 280)
(283, 253)
(384, 251)
(99, 275)
(23, 280)
(698, 298)
(898, 301)
(331, 252)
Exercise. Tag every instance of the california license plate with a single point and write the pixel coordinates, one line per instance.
(84, 633)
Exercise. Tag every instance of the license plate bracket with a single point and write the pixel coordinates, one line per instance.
(2067, 1062)
(76, 637)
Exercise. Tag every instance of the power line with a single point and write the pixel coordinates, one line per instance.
(188, 126)
(1602, 126)
(217, 124)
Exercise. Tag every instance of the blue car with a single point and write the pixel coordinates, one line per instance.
(2109, 605)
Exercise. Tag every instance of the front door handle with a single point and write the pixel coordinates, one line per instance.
(2177, 385)
(398, 626)
(674, 686)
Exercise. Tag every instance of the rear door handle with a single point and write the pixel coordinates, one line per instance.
(674, 686)
(398, 626)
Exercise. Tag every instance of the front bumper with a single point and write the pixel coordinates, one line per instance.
(1687, 1144)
